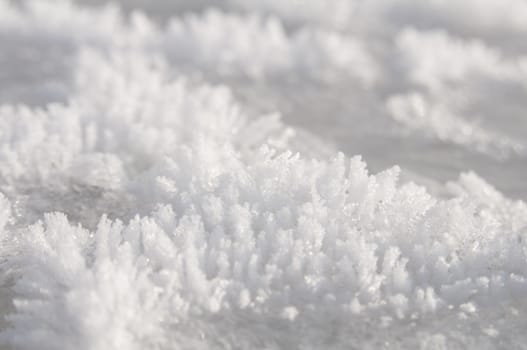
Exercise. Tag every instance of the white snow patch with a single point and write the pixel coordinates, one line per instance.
(152, 210)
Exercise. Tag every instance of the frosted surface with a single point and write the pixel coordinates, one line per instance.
(186, 174)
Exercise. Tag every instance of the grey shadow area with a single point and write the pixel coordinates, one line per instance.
(34, 70)
(159, 10)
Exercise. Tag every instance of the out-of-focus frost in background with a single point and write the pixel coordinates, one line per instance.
(436, 87)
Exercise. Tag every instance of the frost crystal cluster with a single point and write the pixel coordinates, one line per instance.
(147, 204)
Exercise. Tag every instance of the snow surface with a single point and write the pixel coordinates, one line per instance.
(170, 176)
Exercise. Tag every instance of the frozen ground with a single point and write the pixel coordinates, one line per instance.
(163, 136)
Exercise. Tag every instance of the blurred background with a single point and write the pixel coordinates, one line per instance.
(436, 87)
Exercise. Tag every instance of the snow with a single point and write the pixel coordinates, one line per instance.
(152, 195)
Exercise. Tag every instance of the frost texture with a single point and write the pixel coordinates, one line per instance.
(152, 210)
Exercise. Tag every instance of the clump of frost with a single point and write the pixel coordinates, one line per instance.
(449, 76)
(123, 118)
(261, 47)
(253, 45)
(278, 235)
(436, 60)
(436, 121)
(151, 211)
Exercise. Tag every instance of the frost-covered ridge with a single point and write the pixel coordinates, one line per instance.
(151, 209)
